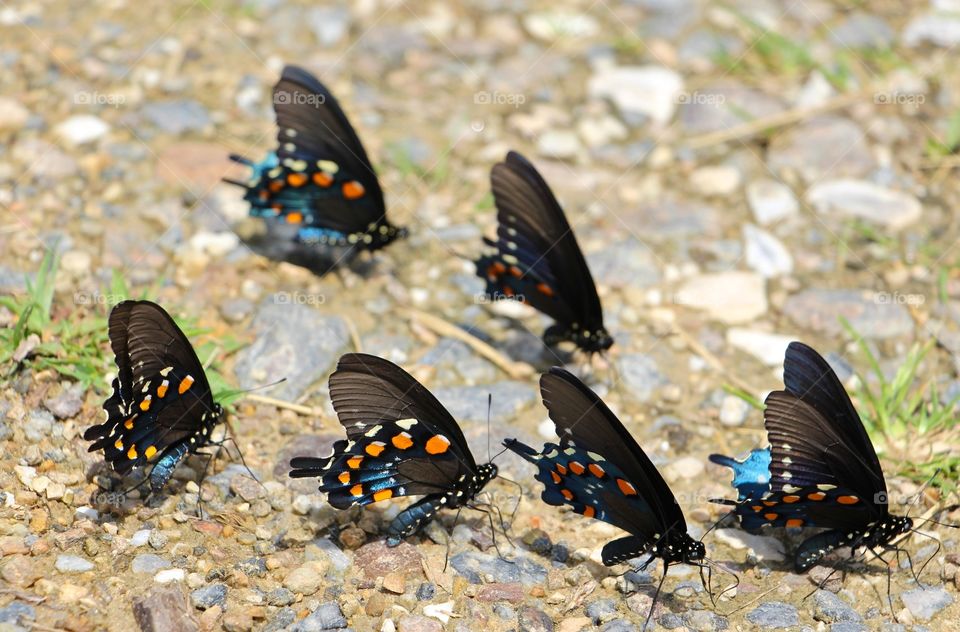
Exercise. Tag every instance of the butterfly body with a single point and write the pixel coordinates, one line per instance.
(400, 442)
(319, 179)
(536, 259)
(823, 470)
(161, 409)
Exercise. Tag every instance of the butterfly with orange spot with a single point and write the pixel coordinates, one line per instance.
(319, 184)
(400, 442)
(599, 470)
(823, 470)
(162, 409)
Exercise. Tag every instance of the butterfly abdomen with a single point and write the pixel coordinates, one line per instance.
(164, 468)
(413, 519)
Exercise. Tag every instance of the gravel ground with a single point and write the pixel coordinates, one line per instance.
(714, 241)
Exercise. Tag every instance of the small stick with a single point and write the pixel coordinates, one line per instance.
(780, 119)
(515, 370)
(309, 411)
(354, 335)
(711, 359)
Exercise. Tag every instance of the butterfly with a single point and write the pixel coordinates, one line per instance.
(824, 471)
(400, 442)
(751, 476)
(162, 409)
(319, 179)
(537, 259)
(599, 470)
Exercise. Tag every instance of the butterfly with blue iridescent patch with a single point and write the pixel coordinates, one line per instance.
(751, 476)
(319, 179)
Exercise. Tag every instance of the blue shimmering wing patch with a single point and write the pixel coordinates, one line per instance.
(751, 476)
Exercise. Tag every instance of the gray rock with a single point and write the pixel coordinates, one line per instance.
(765, 253)
(418, 623)
(722, 106)
(859, 199)
(850, 626)
(830, 608)
(704, 621)
(65, 404)
(601, 610)
(774, 615)
(209, 596)
(470, 402)
(426, 591)
(280, 621)
(618, 625)
(534, 620)
(253, 566)
(627, 263)
(640, 374)
(650, 91)
(18, 613)
(73, 564)
(45, 160)
(39, 424)
(472, 566)
(862, 30)
(282, 349)
(871, 314)
(562, 144)
(148, 563)
(820, 147)
(674, 219)
(177, 117)
(924, 603)
(327, 616)
(281, 597)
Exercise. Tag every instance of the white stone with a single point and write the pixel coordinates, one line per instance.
(650, 90)
(767, 347)
(214, 244)
(765, 253)
(25, 473)
(439, 611)
(170, 575)
(140, 538)
(865, 200)
(81, 129)
(939, 29)
(559, 143)
(73, 564)
(600, 131)
(763, 547)
(715, 180)
(730, 297)
(771, 201)
(13, 116)
(733, 410)
(557, 24)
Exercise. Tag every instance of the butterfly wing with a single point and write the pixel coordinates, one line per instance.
(751, 476)
(400, 440)
(538, 258)
(161, 395)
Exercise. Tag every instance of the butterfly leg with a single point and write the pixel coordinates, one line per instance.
(656, 595)
(413, 518)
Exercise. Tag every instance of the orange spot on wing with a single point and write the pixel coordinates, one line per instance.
(402, 441)
(556, 477)
(576, 468)
(626, 488)
(275, 185)
(562, 469)
(297, 179)
(515, 271)
(375, 448)
(508, 291)
(128, 424)
(185, 384)
(848, 500)
(145, 404)
(770, 503)
(596, 470)
(795, 522)
(344, 477)
(771, 516)
(791, 499)
(589, 511)
(353, 190)
(322, 179)
(383, 494)
(567, 494)
(498, 268)
(295, 217)
(816, 496)
(437, 444)
(162, 389)
(149, 452)
(544, 289)
(357, 490)
(756, 507)
(118, 444)
(354, 462)
(132, 452)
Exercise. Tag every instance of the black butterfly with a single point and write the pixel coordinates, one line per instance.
(162, 408)
(537, 259)
(600, 471)
(319, 179)
(400, 442)
(824, 471)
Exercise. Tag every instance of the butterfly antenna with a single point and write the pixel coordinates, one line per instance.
(717, 523)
